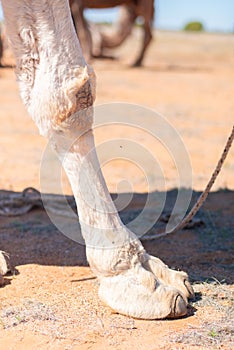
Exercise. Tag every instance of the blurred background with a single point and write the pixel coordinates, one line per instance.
(215, 15)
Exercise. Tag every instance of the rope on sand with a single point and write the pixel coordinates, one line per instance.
(202, 197)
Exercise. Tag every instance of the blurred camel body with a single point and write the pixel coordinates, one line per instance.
(58, 89)
(1, 51)
(95, 39)
(1, 46)
(6, 55)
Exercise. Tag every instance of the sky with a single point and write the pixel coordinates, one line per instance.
(216, 15)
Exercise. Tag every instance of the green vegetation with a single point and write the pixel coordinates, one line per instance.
(194, 27)
(212, 333)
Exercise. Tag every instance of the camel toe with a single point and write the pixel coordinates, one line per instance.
(179, 307)
(190, 291)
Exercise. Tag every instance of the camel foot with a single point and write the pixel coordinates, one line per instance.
(137, 64)
(175, 279)
(138, 293)
(105, 57)
(4, 262)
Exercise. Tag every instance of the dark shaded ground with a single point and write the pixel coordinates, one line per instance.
(205, 251)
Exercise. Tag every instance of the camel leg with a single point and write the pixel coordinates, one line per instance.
(82, 28)
(3, 266)
(1, 49)
(114, 37)
(147, 39)
(57, 88)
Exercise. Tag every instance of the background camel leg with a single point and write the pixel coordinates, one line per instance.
(114, 37)
(57, 88)
(82, 28)
(146, 10)
(146, 41)
(3, 266)
(1, 49)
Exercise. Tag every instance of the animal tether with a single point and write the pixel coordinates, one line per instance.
(202, 197)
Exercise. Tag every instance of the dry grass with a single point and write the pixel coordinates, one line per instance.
(28, 311)
(213, 307)
(214, 301)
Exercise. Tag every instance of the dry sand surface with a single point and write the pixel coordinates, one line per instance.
(51, 301)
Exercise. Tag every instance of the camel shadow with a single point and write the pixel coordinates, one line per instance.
(7, 66)
(157, 68)
(203, 251)
(178, 68)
